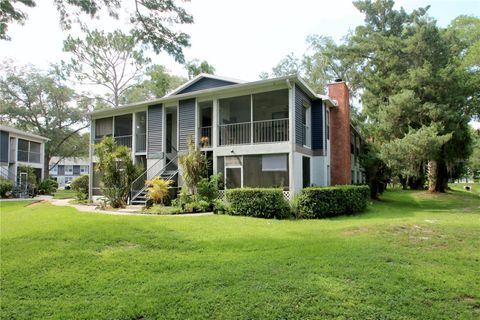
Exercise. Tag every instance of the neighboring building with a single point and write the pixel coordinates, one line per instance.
(21, 149)
(267, 133)
(67, 169)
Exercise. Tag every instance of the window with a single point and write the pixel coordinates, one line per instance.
(103, 127)
(123, 125)
(274, 162)
(327, 126)
(23, 150)
(266, 171)
(306, 123)
(306, 171)
(28, 151)
(270, 105)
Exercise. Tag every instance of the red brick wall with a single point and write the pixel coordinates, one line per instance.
(340, 172)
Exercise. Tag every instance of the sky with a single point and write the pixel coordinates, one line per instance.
(239, 38)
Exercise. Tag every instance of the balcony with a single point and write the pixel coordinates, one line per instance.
(265, 131)
(26, 156)
(140, 142)
(119, 140)
(206, 137)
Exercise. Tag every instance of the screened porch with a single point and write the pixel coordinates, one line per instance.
(251, 119)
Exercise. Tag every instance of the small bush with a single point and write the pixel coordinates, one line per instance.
(48, 186)
(197, 206)
(258, 202)
(208, 188)
(323, 202)
(80, 186)
(158, 189)
(161, 210)
(221, 207)
(5, 186)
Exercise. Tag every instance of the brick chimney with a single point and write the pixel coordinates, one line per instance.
(340, 170)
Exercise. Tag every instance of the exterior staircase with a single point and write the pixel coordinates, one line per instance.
(138, 193)
(141, 197)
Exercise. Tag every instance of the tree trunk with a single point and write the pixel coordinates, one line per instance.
(432, 175)
(46, 166)
(403, 181)
(442, 177)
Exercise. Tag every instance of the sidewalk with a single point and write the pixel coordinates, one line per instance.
(129, 211)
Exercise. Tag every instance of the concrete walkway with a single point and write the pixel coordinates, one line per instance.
(129, 211)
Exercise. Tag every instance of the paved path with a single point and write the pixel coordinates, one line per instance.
(122, 212)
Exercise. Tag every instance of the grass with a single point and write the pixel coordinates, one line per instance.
(64, 194)
(410, 256)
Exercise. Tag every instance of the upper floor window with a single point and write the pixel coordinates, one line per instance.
(103, 127)
(307, 123)
(28, 151)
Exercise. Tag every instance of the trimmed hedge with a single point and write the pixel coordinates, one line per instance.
(258, 202)
(323, 202)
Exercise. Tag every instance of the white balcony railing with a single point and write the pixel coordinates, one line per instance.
(270, 131)
(140, 142)
(235, 133)
(265, 131)
(206, 137)
(119, 140)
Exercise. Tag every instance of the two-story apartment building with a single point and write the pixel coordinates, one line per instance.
(268, 133)
(21, 149)
(65, 170)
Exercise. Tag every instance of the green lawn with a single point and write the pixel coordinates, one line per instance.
(411, 256)
(64, 194)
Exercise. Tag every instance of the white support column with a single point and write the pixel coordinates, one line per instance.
(164, 134)
(197, 123)
(214, 142)
(134, 136)
(90, 159)
(251, 119)
(291, 127)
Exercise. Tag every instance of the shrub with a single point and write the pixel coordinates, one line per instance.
(5, 186)
(208, 188)
(158, 189)
(322, 202)
(197, 206)
(80, 186)
(117, 171)
(194, 166)
(182, 199)
(160, 209)
(220, 207)
(258, 202)
(48, 186)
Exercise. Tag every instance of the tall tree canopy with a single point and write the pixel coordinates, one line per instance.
(412, 77)
(195, 67)
(112, 61)
(418, 85)
(40, 103)
(158, 82)
(150, 20)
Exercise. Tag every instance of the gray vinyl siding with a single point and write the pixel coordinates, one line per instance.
(186, 122)
(317, 125)
(300, 97)
(205, 83)
(4, 139)
(155, 131)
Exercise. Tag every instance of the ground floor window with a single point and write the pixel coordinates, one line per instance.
(255, 171)
(306, 171)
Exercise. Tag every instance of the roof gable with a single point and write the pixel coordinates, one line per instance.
(202, 82)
